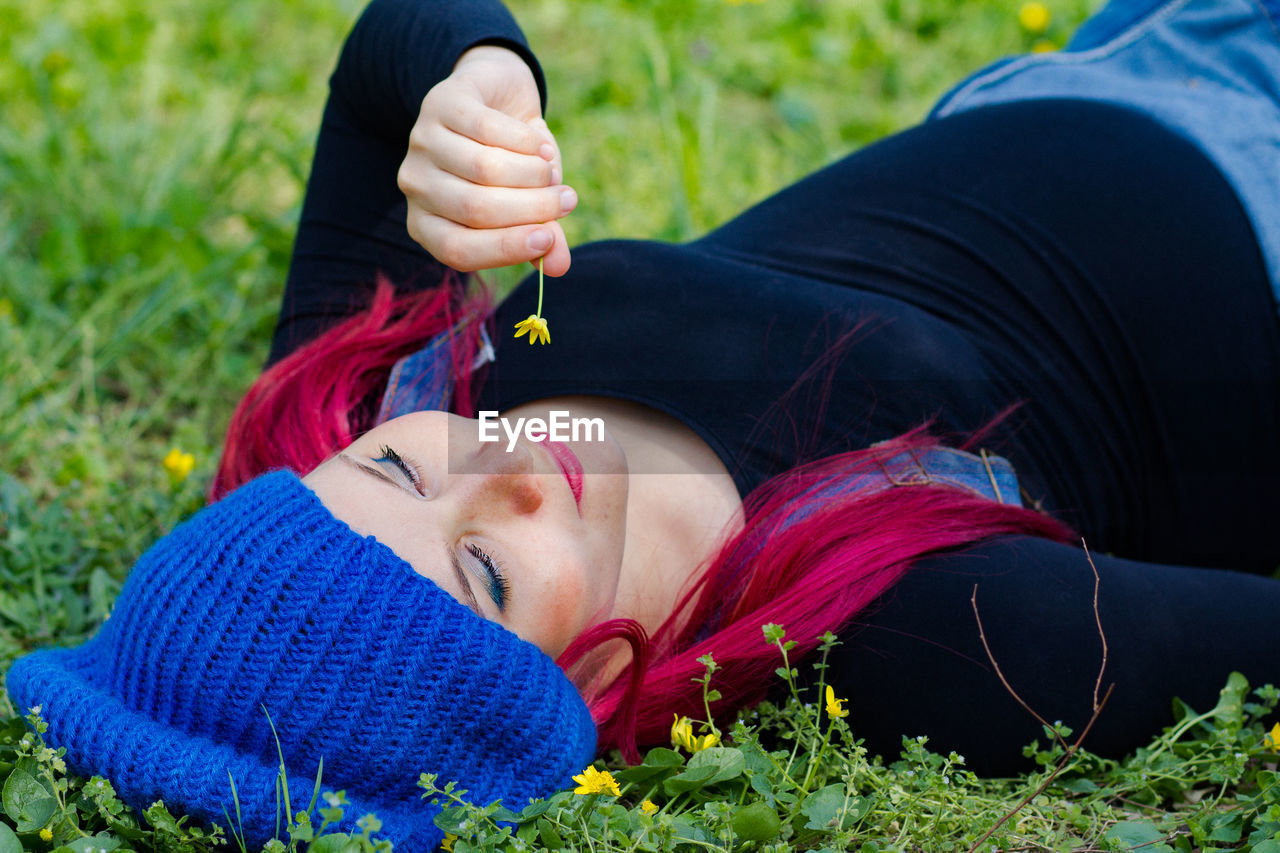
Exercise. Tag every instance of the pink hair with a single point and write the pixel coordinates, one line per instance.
(319, 398)
(810, 556)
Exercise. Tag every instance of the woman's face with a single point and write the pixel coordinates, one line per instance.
(529, 537)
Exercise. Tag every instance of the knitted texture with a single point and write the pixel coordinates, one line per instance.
(264, 603)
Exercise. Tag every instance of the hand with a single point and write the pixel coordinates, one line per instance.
(483, 171)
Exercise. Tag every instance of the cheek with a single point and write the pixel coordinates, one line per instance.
(564, 608)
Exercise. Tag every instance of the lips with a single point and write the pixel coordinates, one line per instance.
(570, 466)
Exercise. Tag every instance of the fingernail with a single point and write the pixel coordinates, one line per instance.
(540, 241)
(547, 152)
(555, 175)
(568, 200)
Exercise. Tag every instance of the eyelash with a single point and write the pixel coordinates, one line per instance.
(406, 467)
(501, 589)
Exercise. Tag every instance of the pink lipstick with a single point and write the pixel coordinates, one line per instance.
(570, 465)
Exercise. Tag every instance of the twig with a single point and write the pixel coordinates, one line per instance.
(1097, 618)
(982, 635)
(1069, 749)
(1062, 763)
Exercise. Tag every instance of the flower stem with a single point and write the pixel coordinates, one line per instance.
(539, 311)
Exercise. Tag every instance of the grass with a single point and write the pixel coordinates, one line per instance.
(152, 161)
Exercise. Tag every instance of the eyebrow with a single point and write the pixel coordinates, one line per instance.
(463, 582)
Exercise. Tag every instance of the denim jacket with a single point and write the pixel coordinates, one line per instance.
(1207, 69)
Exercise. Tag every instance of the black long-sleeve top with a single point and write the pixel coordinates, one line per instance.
(1072, 259)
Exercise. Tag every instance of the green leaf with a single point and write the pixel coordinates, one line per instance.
(451, 819)
(690, 780)
(502, 814)
(127, 830)
(9, 842)
(162, 820)
(662, 757)
(658, 762)
(755, 822)
(1268, 846)
(1080, 786)
(1134, 833)
(334, 842)
(1224, 827)
(686, 830)
(106, 843)
(1229, 712)
(829, 809)
(534, 809)
(728, 761)
(26, 801)
(548, 835)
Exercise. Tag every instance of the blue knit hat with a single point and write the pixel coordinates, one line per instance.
(265, 601)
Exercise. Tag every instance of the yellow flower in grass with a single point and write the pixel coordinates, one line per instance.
(536, 327)
(1271, 740)
(835, 707)
(682, 736)
(1034, 17)
(447, 844)
(178, 465)
(649, 808)
(46, 834)
(593, 781)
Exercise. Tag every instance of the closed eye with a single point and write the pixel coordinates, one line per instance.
(499, 589)
(398, 463)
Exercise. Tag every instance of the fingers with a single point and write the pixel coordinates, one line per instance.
(476, 206)
(491, 166)
(483, 174)
(488, 126)
(469, 249)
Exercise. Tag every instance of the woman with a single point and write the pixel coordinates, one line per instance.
(1078, 275)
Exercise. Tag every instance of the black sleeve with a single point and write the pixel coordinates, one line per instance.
(353, 217)
(915, 664)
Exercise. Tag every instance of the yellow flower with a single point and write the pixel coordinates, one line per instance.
(648, 808)
(534, 324)
(1272, 738)
(536, 327)
(835, 707)
(1034, 16)
(682, 736)
(1043, 46)
(682, 733)
(447, 844)
(179, 465)
(46, 834)
(593, 781)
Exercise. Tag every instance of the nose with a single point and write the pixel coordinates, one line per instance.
(506, 480)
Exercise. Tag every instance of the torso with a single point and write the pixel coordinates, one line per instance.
(1139, 352)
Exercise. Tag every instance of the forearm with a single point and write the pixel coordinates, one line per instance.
(399, 49)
